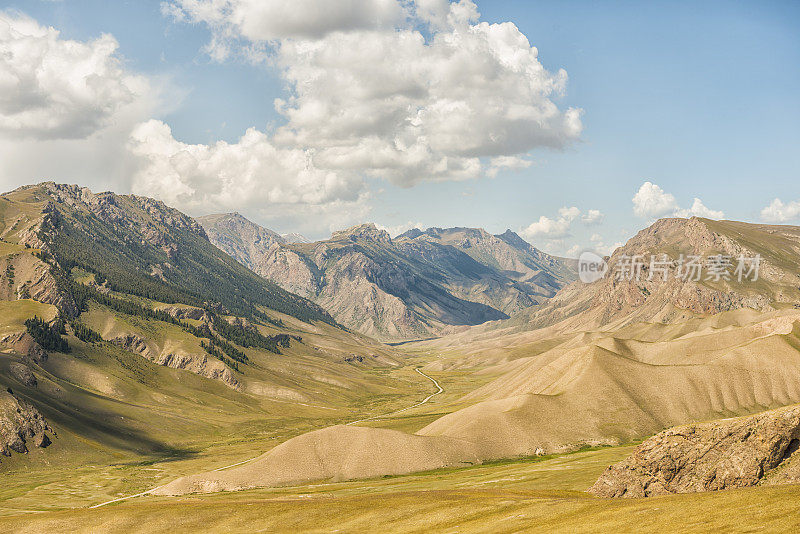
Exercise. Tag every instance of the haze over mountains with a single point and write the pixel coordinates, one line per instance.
(413, 286)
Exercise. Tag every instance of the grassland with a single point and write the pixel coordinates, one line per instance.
(532, 495)
(15, 313)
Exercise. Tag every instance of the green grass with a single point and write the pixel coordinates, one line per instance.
(14, 314)
(543, 495)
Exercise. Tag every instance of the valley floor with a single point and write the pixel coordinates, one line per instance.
(53, 490)
(541, 495)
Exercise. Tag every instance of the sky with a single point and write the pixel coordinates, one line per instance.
(572, 123)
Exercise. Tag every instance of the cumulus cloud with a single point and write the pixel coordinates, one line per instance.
(51, 88)
(250, 173)
(259, 21)
(380, 97)
(698, 209)
(592, 217)
(651, 202)
(73, 101)
(553, 229)
(780, 212)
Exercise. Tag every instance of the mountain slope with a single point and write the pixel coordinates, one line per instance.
(245, 241)
(149, 339)
(613, 302)
(614, 361)
(413, 286)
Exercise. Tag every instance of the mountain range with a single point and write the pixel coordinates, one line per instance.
(413, 286)
(142, 350)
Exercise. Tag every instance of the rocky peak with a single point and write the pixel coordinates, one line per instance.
(153, 217)
(367, 232)
(294, 237)
(513, 239)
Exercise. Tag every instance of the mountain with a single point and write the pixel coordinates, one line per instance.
(615, 301)
(413, 286)
(534, 275)
(606, 363)
(294, 237)
(127, 334)
(246, 242)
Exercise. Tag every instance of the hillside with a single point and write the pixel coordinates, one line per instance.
(132, 337)
(613, 302)
(150, 369)
(603, 371)
(410, 287)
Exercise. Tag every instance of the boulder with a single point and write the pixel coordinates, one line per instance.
(711, 456)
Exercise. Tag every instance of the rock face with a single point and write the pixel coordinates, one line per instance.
(21, 425)
(22, 343)
(409, 287)
(197, 363)
(710, 456)
(246, 241)
(24, 374)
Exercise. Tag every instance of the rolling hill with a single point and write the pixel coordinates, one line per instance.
(598, 373)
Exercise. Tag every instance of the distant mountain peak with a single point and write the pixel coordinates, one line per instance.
(294, 237)
(513, 239)
(366, 231)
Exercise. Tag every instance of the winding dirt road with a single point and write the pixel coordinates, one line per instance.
(423, 401)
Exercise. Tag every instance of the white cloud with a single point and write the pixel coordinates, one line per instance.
(780, 212)
(500, 163)
(700, 210)
(51, 88)
(383, 99)
(259, 21)
(251, 174)
(67, 107)
(651, 202)
(593, 217)
(552, 229)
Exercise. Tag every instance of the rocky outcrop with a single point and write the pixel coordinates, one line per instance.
(244, 240)
(22, 343)
(182, 313)
(24, 276)
(24, 374)
(197, 363)
(21, 426)
(709, 456)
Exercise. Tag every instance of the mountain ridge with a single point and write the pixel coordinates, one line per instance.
(415, 285)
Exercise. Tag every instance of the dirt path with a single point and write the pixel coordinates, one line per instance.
(423, 401)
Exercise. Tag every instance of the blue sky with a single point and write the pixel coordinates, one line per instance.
(700, 98)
